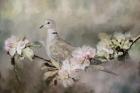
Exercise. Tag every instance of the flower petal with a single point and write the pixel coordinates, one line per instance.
(12, 51)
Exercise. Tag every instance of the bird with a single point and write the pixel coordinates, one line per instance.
(57, 48)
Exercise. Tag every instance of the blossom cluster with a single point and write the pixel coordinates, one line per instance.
(18, 47)
(79, 60)
(111, 47)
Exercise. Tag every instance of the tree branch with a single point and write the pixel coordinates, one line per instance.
(134, 41)
(47, 63)
(15, 70)
(36, 56)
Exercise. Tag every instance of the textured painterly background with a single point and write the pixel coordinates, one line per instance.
(78, 22)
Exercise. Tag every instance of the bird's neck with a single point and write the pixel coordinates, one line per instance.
(52, 34)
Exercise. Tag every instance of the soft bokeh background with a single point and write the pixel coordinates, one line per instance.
(79, 22)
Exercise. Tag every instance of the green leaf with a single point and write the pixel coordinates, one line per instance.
(49, 74)
(55, 63)
(28, 53)
(35, 44)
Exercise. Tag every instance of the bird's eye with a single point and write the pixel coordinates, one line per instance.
(48, 23)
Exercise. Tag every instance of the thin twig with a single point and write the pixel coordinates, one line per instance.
(47, 63)
(15, 70)
(16, 74)
(42, 58)
(110, 72)
(134, 41)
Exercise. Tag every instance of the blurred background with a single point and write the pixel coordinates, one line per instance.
(78, 22)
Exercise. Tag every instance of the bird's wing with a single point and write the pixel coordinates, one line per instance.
(61, 50)
(67, 45)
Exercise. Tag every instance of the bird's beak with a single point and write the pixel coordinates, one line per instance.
(41, 26)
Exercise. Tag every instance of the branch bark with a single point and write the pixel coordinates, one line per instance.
(47, 62)
(134, 41)
(15, 70)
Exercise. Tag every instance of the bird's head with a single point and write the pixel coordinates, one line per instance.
(49, 24)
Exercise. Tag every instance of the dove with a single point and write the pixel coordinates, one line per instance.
(57, 48)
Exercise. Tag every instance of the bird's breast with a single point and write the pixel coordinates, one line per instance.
(49, 48)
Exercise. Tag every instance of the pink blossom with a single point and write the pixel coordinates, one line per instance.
(10, 43)
(21, 45)
(78, 61)
(66, 75)
(13, 45)
(84, 52)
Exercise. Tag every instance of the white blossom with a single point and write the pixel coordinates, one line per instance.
(78, 62)
(84, 52)
(64, 74)
(119, 36)
(14, 45)
(104, 49)
(122, 40)
(113, 46)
